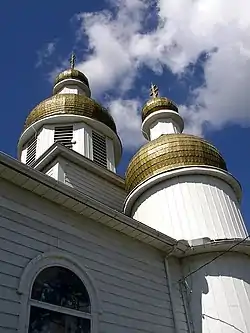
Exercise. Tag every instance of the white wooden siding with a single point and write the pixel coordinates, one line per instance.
(129, 276)
(45, 139)
(79, 138)
(94, 186)
(88, 152)
(110, 154)
(24, 154)
(219, 293)
(208, 205)
(51, 171)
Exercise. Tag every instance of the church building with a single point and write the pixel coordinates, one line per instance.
(82, 250)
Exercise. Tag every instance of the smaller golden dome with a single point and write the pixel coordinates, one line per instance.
(169, 152)
(70, 104)
(72, 73)
(156, 104)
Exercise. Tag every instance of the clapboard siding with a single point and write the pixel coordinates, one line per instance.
(51, 231)
(114, 327)
(10, 268)
(7, 330)
(110, 301)
(143, 324)
(10, 307)
(129, 276)
(9, 281)
(8, 321)
(58, 238)
(8, 293)
(13, 258)
(96, 187)
(133, 279)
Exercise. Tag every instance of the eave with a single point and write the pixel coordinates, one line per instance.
(61, 194)
(58, 149)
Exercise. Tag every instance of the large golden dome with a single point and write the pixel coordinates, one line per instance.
(71, 73)
(168, 152)
(70, 104)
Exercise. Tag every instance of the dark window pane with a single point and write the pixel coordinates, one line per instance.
(59, 286)
(46, 321)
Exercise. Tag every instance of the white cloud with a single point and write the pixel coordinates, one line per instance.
(128, 121)
(45, 53)
(185, 29)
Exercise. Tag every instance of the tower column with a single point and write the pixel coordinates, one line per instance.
(178, 184)
(190, 203)
(160, 116)
(72, 119)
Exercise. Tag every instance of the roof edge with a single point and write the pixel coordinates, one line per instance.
(79, 203)
(57, 149)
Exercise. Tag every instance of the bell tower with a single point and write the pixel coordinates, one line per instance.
(72, 118)
(177, 183)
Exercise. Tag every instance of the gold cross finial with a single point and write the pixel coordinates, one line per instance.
(72, 60)
(154, 91)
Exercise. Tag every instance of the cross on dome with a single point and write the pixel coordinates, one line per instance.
(72, 60)
(154, 91)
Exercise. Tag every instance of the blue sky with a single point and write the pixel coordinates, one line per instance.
(191, 61)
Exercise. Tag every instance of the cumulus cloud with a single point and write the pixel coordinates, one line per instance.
(128, 121)
(124, 40)
(44, 54)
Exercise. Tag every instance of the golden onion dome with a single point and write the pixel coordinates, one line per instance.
(70, 104)
(156, 104)
(169, 152)
(71, 73)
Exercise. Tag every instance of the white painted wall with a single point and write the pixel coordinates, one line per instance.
(189, 207)
(24, 154)
(162, 122)
(72, 89)
(82, 142)
(79, 138)
(53, 171)
(71, 86)
(88, 143)
(128, 276)
(45, 139)
(219, 294)
(163, 127)
(110, 155)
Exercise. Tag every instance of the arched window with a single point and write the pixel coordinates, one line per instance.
(59, 303)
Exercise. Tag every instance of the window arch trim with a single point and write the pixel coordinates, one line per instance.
(50, 259)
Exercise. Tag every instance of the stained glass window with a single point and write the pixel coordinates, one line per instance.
(59, 303)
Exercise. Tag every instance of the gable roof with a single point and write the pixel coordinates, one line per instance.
(61, 194)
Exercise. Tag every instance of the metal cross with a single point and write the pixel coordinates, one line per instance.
(154, 91)
(72, 60)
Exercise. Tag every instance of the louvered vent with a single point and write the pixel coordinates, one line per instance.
(31, 150)
(64, 135)
(99, 149)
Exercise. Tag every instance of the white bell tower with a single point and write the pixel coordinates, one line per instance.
(179, 185)
(75, 120)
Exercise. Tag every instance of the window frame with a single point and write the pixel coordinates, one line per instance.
(31, 272)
